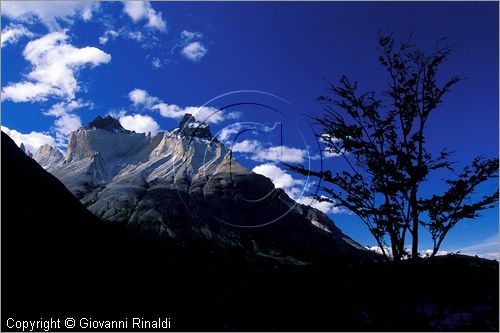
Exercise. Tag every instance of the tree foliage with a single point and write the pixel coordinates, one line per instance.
(382, 140)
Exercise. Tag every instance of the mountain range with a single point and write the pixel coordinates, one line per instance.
(60, 259)
(184, 185)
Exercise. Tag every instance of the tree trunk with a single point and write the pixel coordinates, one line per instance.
(414, 232)
(395, 251)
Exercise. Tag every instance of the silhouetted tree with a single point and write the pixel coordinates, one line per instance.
(384, 146)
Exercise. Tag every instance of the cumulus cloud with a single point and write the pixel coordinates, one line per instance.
(280, 154)
(194, 51)
(142, 10)
(50, 13)
(206, 114)
(32, 141)
(377, 249)
(140, 124)
(55, 64)
(279, 177)
(66, 120)
(295, 188)
(67, 123)
(141, 98)
(227, 132)
(188, 36)
(191, 46)
(26, 92)
(324, 206)
(13, 32)
(257, 152)
(87, 11)
(108, 34)
(245, 146)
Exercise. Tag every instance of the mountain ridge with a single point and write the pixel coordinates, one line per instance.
(185, 185)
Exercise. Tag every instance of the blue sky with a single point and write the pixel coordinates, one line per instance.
(149, 63)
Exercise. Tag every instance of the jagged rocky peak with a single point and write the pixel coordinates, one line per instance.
(184, 185)
(48, 156)
(107, 123)
(190, 127)
(106, 137)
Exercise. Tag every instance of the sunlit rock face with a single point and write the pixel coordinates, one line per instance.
(48, 156)
(185, 185)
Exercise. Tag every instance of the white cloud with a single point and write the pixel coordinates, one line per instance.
(140, 97)
(279, 177)
(257, 152)
(280, 154)
(140, 10)
(295, 188)
(194, 51)
(227, 132)
(169, 110)
(140, 124)
(61, 108)
(55, 64)
(88, 10)
(324, 206)
(377, 249)
(32, 141)
(66, 121)
(146, 38)
(234, 115)
(192, 47)
(156, 63)
(487, 248)
(329, 154)
(13, 32)
(108, 34)
(50, 13)
(246, 146)
(206, 114)
(117, 114)
(136, 35)
(428, 252)
(27, 92)
(188, 36)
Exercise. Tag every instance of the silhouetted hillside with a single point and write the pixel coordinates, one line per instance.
(59, 260)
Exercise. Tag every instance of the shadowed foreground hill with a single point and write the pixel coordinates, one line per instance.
(59, 260)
